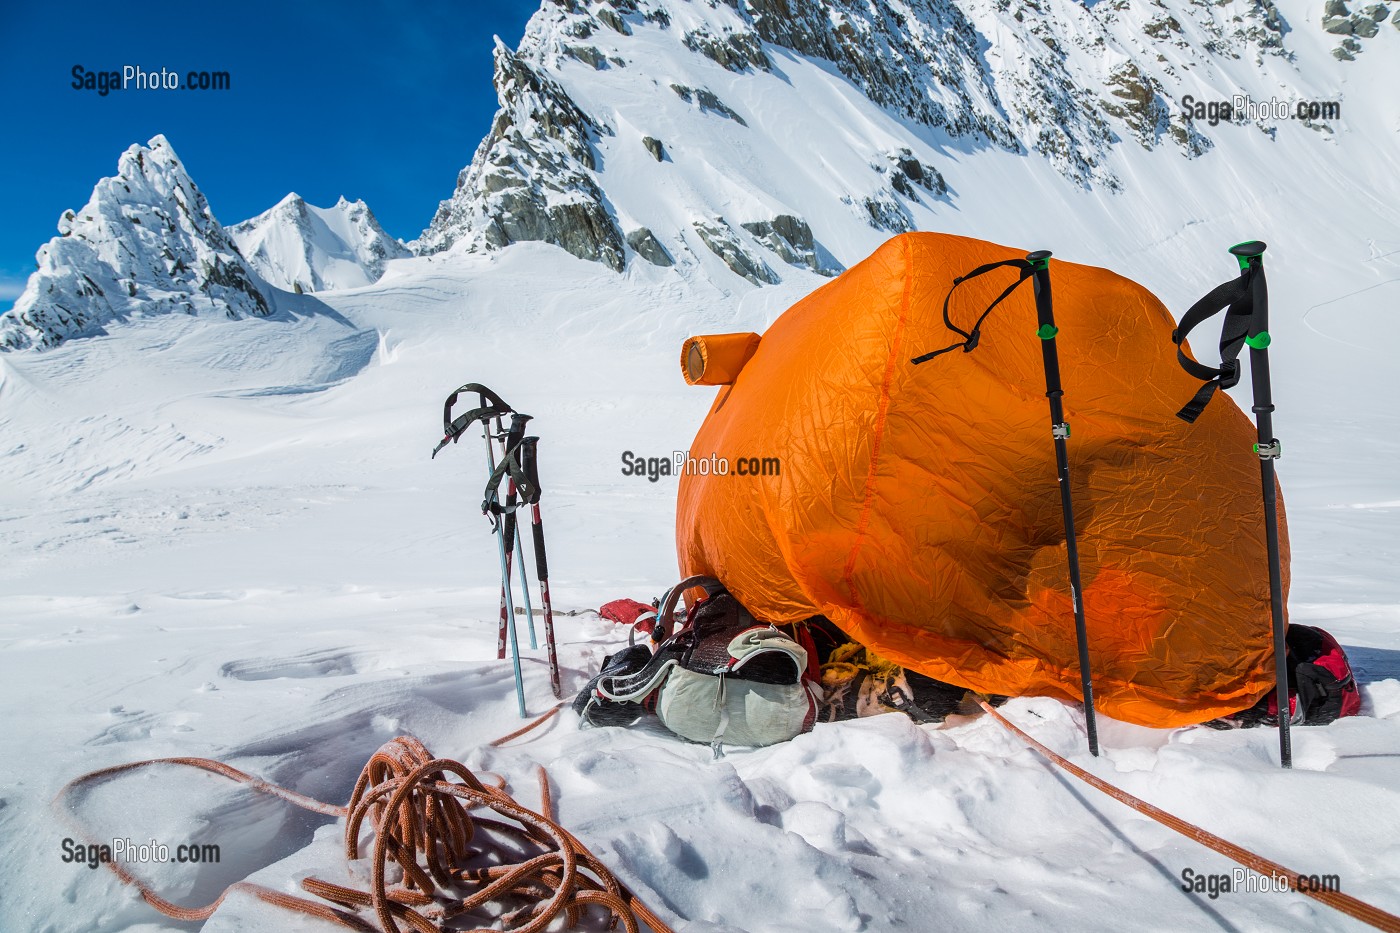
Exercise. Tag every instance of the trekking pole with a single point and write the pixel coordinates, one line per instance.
(1059, 430)
(505, 551)
(492, 407)
(515, 548)
(529, 461)
(1247, 323)
(1036, 266)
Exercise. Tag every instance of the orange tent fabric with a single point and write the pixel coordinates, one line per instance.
(917, 507)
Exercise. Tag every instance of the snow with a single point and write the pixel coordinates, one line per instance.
(225, 538)
(298, 245)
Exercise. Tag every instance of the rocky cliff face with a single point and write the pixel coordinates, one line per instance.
(302, 248)
(533, 176)
(1055, 80)
(145, 243)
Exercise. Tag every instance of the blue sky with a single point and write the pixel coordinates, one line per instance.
(366, 99)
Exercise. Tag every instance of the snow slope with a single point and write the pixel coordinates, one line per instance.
(226, 538)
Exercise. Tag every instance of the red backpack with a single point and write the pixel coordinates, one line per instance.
(1321, 687)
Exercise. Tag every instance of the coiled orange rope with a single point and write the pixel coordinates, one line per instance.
(1352, 907)
(451, 863)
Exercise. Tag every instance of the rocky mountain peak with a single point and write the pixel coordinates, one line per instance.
(532, 177)
(302, 248)
(145, 243)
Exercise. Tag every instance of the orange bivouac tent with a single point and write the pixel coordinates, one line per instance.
(917, 507)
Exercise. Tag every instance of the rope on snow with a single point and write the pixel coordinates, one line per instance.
(1366, 913)
(451, 862)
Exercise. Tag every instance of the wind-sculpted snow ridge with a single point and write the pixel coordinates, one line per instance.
(146, 243)
(303, 248)
(630, 128)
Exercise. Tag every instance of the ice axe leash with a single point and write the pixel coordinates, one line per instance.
(1036, 266)
(1245, 300)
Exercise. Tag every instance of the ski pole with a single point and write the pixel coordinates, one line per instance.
(1246, 299)
(491, 407)
(1036, 266)
(529, 456)
(507, 625)
(515, 548)
(1251, 259)
(1059, 430)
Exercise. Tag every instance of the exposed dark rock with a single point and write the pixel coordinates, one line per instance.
(906, 171)
(737, 51)
(883, 212)
(1138, 101)
(654, 146)
(877, 47)
(724, 243)
(1162, 27)
(1364, 26)
(648, 247)
(530, 178)
(791, 239)
(582, 227)
(613, 21)
(1337, 25)
(707, 102)
(588, 55)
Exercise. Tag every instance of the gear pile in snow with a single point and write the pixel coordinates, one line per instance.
(917, 508)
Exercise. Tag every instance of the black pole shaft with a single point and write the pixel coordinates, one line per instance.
(1059, 429)
(529, 451)
(1251, 256)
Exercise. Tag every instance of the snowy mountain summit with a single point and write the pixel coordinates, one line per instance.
(757, 132)
(302, 248)
(145, 243)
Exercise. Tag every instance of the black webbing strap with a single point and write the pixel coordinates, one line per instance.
(971, 337)
(1237, 296)
(529, 462)
(492, 406)
(509, 466)
(665, 627)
